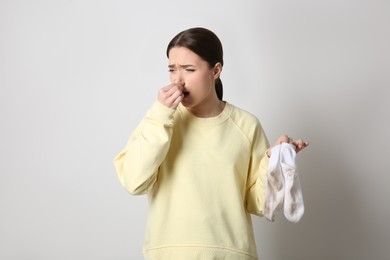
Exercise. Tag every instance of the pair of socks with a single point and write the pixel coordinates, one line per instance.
(283, 188)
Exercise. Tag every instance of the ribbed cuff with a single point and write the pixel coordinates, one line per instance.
(161, 113)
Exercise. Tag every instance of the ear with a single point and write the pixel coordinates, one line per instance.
(217, 70)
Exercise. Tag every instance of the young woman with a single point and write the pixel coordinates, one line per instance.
(201, 161)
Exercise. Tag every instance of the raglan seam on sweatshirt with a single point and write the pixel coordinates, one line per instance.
(241, 131)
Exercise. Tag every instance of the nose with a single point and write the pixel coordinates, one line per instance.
(178, 78)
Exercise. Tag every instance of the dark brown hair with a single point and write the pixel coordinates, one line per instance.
(205, 44)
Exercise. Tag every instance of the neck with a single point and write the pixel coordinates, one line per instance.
(210, 109)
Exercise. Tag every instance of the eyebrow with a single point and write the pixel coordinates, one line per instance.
(181, 66)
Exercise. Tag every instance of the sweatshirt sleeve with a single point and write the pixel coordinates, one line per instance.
(137, 165)
(255, 194)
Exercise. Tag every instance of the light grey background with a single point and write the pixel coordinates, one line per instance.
(77, 76)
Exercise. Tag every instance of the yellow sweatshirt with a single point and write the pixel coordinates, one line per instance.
(203, 178)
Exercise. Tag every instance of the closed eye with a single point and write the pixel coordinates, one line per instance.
(171, 68)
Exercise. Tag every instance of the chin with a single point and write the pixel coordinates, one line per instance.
(186, 102)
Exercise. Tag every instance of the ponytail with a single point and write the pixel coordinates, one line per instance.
(219, 88)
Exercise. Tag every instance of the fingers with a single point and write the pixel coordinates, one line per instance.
(284, 139)
(171, 95)
(299, 143)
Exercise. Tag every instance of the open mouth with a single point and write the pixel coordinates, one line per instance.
(186, 93)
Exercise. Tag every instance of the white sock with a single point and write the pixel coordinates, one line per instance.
(274, 188)
(293, 199)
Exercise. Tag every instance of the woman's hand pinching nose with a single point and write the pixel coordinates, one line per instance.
(171, 95)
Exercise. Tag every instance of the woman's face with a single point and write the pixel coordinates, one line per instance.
(195, 75)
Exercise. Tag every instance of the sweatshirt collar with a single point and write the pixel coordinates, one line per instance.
(205, 121)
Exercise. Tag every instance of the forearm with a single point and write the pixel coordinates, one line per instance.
(137, 165)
